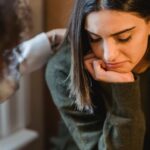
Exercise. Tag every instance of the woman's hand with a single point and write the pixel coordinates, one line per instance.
(56, 36)
(97, 68)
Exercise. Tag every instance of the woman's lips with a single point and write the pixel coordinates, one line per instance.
(115, 65)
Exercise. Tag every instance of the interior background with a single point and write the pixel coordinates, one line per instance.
(47, 15)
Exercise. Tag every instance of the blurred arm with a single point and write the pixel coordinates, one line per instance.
(33, 54)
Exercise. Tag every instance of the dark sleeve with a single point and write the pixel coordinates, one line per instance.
(123, 127)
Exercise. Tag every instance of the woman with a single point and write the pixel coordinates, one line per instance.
(15, 19)
(102, 91)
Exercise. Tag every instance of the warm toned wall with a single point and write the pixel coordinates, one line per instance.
(57, 13)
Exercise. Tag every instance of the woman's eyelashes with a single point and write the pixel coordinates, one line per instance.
(94, 39)
(123, 40)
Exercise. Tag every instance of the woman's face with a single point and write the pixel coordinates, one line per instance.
(120, 39)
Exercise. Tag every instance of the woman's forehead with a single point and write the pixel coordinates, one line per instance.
(110, 21)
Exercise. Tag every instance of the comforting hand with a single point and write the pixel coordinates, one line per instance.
(98, 71)
(56, 36)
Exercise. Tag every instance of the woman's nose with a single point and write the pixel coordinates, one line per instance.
(110, 51)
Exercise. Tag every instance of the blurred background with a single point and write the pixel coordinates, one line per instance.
(30, 119)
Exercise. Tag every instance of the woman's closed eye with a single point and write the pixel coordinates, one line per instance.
(123, 37)
(123, 40)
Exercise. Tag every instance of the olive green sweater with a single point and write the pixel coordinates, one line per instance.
(120, 120)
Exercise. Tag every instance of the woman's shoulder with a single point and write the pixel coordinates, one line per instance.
(57, 76)
(60, 62)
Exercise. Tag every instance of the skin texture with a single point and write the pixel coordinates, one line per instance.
(119, 41)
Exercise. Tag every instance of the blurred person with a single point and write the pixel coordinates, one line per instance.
(17, 58)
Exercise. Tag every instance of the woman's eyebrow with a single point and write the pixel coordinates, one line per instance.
(122, 31)
(113, 34)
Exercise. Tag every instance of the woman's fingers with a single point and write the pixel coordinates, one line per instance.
(56, 36)
(99, 69)
(88, 64)
(96, 67)
(89, 61)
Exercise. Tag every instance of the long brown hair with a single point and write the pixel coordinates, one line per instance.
(80, 45)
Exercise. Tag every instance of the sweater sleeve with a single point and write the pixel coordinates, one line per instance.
(34, 53)
(123, 127)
